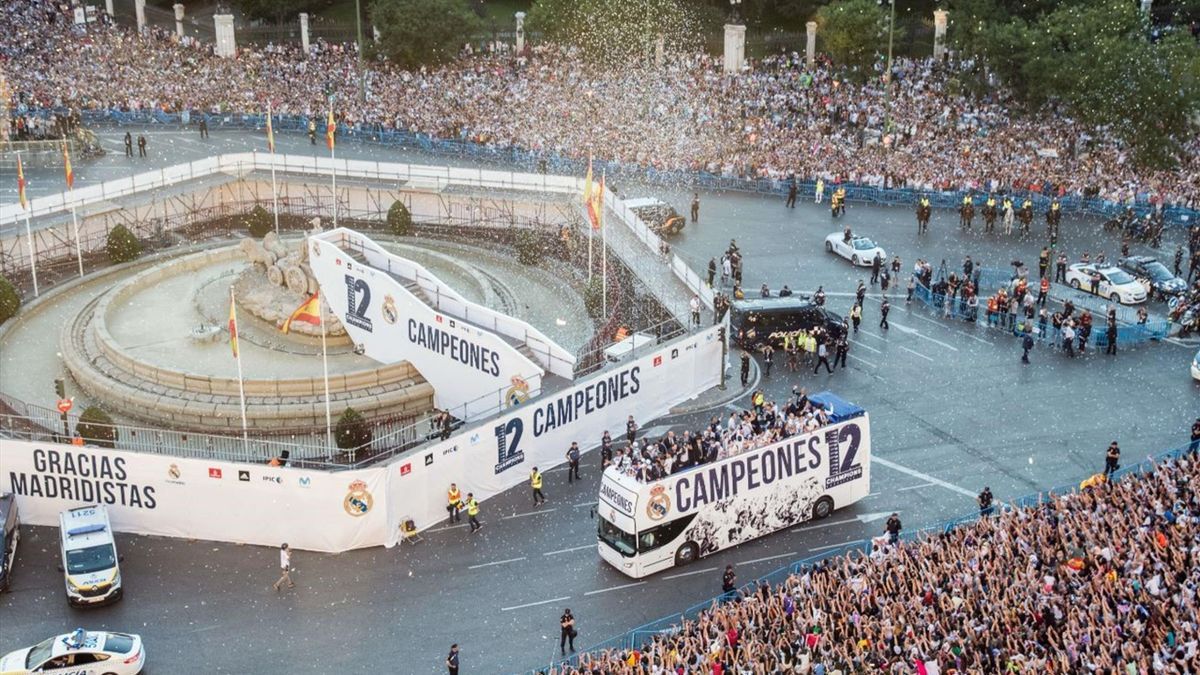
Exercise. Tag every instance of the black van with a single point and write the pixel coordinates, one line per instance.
(10, 534)
(753, 322)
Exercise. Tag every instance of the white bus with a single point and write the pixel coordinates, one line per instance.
(649, 527)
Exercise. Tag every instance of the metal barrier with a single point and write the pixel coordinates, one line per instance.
(668, 625)
(557, 163)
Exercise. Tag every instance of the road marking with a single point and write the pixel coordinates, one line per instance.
(495, 562)
(829, 546)
(914, 487)
(770, 557)
(444, 528)
(866, 347)
(706, 570)
(863, 360)
(568, 550)
(973, 337)
(877, 337)
(910, 351)
(923, 476)
(614, 588)
(591, 503)
(535, 604)
(531, 513)
(861, 518)
(925, 318)
(914, 331)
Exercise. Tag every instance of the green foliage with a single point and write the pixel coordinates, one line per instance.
(529, 247)
(10, 301)
(399, 220)
(95, 427)
(854, 33)
(418, 32)
(616, 31)
(277, 10)
(1091, 60)
(122, 246)
(593, 297)
(351, 431)
(259, 222)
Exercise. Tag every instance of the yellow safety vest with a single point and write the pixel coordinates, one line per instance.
(535, 480)
(1007, 205)
(991, 202)
(472, 508)
(924, 202)
(1027, 204)
(454, 497)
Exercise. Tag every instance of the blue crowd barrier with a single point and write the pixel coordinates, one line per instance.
(557, 163)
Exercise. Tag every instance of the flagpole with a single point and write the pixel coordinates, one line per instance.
(75, 224)
(333, 161)
(274, 191)
(603, 248)
(70, 176)
(241, 386)
(32, 253)
(325, 372)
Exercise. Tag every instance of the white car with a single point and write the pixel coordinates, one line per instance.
(859, 250)
(1196, 367)
(1114, 283)
(79, 653)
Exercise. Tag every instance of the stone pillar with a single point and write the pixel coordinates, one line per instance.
(520, 32)
(108, 7)
(660, 46)
(735, 47)
(226, 42)
(139, 8)
(304, 31)
(939, 34)
(810, 47)
(179, 20)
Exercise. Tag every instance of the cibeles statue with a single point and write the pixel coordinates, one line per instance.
(279, 278)
(283, 265)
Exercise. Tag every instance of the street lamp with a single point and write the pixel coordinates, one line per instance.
(735, 11)
(887, 75)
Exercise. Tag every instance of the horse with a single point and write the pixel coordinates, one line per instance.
(966, 213)
(989, 217)
(1025, 215)
(923, 213)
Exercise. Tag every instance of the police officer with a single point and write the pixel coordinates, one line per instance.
(566, 624)
(203, 128)
(883, 312)
(141, 145)
(1026, 345)
(606, 450)
(452, 660)
(1112, 458)
(695, 213)
(573, 461)
(128, 144)
(893, 529)
(745, 368)
(728, 581)
(712, 271)
(791, 197)
(473, 512)
(535, 482)
(985, 502)
(454, 502)
(842, 349)
(1043, 262)
(1110, 336)
(312, 132)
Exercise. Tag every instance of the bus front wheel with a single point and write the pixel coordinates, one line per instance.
(822, 508)
(686, 554)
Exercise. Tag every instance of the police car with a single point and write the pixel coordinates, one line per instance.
(1115, 284)
(1153, 275)
(1196, 367)
(858, 250)
(79, 653)
(89, 556)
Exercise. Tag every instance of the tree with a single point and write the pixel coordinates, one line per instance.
(352, 431)
(122, 246)
(95, 427)
(259, 222)
(529, 247)
(417, 32)
(399, 220)
(617, 31)
(10, 301)
(593, 297)
(854, 33)
(278, 11)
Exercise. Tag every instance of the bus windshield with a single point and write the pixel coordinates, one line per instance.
(623, 542)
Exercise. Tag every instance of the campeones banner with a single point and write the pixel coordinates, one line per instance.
(200, 499)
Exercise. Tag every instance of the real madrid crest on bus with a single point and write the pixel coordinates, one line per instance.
(390, 314)
(358, 501)
(659, 503)
(518, 393)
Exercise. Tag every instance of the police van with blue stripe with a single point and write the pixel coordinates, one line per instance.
(90, 563)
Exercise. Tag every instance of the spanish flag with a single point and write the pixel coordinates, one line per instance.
(270, 132)
(598, 206)
(591, 198)
(67, 167)
(330, 130)
(233, 335)
(309, 312)
(587, 185)
(21, 184)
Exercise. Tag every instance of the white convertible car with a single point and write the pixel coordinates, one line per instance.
(859, 250)
(79, 653)
(1111, 282)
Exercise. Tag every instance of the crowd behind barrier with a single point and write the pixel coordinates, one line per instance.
(555, 163)
(1122, 576)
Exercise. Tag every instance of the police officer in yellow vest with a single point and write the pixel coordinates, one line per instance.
(966, 200)
(453, 502)
(991, 202)
(925, 202)
(473, 511)
(535, 482)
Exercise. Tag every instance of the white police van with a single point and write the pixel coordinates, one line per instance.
(89, 556)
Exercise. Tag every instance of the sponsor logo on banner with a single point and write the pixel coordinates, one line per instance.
(174, 475)
(659, 503)
(358, 501)
(81, 476)
(244, 476)
(447, 451)
(304, 481)
(214, 472)
(674, 353)
(429, 459)
(278, 480)
(358, 300)
(474, 439)
(438, 318)
(452, 323)
(390, 314)
(658, 360)
(405, 468)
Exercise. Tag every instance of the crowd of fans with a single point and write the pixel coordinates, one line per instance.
(776, 119)
(1101, 581)
(765, 423)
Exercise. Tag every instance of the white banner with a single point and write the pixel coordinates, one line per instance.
(489, 459)
(466, 365)
(198, 499)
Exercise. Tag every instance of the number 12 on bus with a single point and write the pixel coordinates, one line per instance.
(649, 527)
